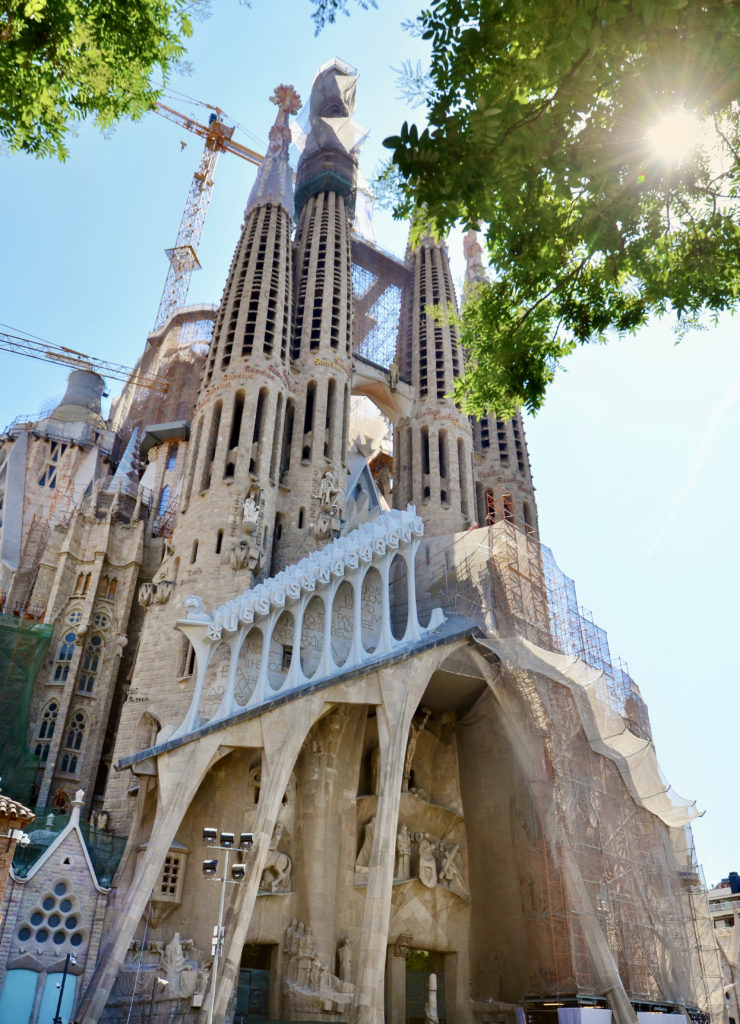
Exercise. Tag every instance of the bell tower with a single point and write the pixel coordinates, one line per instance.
(231, 480)
(313, 464)
(434, 445)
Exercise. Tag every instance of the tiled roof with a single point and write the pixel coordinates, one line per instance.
(12, 809)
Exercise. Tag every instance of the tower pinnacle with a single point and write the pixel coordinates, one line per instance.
(273, 183)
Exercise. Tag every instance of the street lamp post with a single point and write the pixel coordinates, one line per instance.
(157, 981)
(237, 874)
(68, 960)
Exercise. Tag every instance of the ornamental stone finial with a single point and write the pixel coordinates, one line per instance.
(286, 98)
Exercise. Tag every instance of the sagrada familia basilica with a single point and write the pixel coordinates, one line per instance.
(310, 721)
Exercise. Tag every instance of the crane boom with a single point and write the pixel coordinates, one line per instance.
(36, 348)
(183, 256)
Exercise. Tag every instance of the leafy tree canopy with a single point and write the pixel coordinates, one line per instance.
(545, 127)
(62, 61)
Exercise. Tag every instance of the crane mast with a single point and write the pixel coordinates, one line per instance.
(183, 256)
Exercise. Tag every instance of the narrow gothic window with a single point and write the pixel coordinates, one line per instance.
(90, 664)
(73, 744)
(171, 457)
(48, 721)
(66, 650)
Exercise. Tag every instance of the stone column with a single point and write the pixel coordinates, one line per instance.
(180, 772)
(284, 731)
(402, 688)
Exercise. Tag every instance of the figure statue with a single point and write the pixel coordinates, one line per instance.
(173, 963)
(403, 853)
(344, 958)
(164, 572)
(250, 514)
(276, 874)
(329, 491)
(363, 857)
(393, 375)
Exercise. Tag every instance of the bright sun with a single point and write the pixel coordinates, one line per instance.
(675, 136)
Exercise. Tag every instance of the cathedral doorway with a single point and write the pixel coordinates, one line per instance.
(419, 966)
(253, 990)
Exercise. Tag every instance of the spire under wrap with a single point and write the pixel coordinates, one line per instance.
(273, 183)
(329, 158)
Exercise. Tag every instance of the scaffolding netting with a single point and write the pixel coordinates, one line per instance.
(612, 892)
(23, 644)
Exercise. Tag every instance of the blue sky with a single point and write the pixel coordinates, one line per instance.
(634, 454)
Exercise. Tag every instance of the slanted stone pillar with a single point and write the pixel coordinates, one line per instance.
(284, 731)
(402, 689)
(180, 773)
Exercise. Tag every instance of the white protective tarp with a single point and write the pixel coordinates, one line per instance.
(605, 728)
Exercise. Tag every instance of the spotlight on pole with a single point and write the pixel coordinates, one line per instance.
(210, 867)
(210, 835)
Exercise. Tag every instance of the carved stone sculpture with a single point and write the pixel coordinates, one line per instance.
(309, 987)
(194, 609)
(363, 857)
(344, 960)
(427, 862)
(246, 555)
(403, 853)
(165, 572)
(250, 514)
(276, 875)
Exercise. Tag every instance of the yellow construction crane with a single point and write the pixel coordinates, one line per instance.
(183, 256)
(12, 340)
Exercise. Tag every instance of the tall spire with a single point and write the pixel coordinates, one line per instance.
(501, 471)
(273, 183)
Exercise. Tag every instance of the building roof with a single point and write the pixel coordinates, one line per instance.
(12, 809)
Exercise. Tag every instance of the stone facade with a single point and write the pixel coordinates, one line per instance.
(272, 629)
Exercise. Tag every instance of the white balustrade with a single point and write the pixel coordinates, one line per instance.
(227, 685)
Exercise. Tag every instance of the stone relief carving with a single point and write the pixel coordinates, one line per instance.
(330, 497)
(184, 978)
(426, 861)
(418, 855)
(308, 984)
(246, 554)
(251, 512)
(403, 853)
(194, 609)
(363, 857)
(276, 875)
